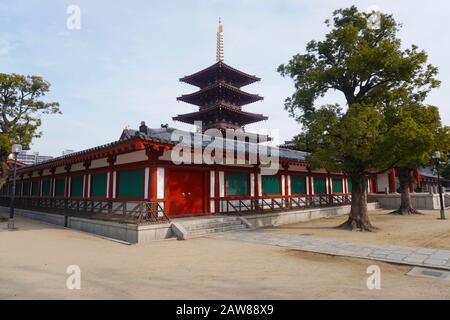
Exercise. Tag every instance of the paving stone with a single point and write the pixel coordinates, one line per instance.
(377, 255)
(435, 262)
(425, 251)
(414, 261)
(440, 255)
(397, 256)
(392, 253)
(416, 258)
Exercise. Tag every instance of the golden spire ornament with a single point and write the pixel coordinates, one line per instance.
(219, 49)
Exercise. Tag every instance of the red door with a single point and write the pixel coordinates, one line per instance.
(185, 193)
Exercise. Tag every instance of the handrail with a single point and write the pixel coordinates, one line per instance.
(271, 203)
(117, 210)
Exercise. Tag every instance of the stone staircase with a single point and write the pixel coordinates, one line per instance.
(185, 228)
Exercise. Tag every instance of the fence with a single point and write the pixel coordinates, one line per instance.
(264, 204)
(123, 211)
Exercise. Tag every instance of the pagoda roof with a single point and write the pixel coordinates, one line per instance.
(225, 112)
(220, 91)
(220, 70)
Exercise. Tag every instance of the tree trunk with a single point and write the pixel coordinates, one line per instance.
(4, 172)
(406, 207)
(358, 218)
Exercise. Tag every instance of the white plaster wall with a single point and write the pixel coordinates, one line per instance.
(160, 180)
(146, 181)
(77, 167)
(382, 182)
(114, 180)
(212, 181)
(99, 163)
(252, 184)
(298, 168)
(307, 184)
(221, 184)
(289, 184)
(60, 170)
(135, 156)
(259, 185)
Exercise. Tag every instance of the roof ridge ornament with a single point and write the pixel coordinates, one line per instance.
(219, 48)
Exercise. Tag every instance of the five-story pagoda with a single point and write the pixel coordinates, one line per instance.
(220, 98)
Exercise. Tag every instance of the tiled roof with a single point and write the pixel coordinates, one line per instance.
(164, 136)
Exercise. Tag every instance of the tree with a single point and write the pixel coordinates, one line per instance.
(364, 63)
(20, 114)
(417, 136)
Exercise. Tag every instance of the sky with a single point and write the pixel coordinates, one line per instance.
(123, 64)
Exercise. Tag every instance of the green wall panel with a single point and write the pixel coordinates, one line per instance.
(337, 185)
(298, 185)
(271, 185)
(131, 183)
(349, 185)
(236, 184)
(60, 187)
(35, 188)
(99, 185)
(319, 185)
(18, 188)
(76, 186)
(46, 187)
(26, 189)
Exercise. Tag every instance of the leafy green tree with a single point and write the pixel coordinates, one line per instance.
(417, 134)
(20, 114)
(446, 171)
(366, 64)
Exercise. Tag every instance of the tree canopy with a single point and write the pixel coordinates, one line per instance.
(21, 110)
(377, 77)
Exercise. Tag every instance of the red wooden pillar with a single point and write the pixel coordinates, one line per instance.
(52, 182)
(30, 183)
(419, 180)
(216, 191)
(67, 181)
(392, 182)
(153, 184)
(412, 178)
(41, 183)
(86, 191)
(111, 160)
(329, 182)
(256, 184)
(286, 186)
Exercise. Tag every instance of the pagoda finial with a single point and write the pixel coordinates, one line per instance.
(219, 49)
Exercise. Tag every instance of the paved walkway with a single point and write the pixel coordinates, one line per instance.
(413, 256)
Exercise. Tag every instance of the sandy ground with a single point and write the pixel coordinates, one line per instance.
(413, 230)
(33, 262)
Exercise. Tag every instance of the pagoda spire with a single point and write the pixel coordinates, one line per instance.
(219, 49)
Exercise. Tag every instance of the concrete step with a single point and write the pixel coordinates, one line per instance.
(202, 232)
(194, 221)
(211, 225)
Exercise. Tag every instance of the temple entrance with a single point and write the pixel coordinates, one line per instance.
(186, 193)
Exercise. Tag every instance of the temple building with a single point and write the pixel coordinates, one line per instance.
(136, 176)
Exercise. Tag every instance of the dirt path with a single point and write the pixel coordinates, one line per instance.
(33, 262)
